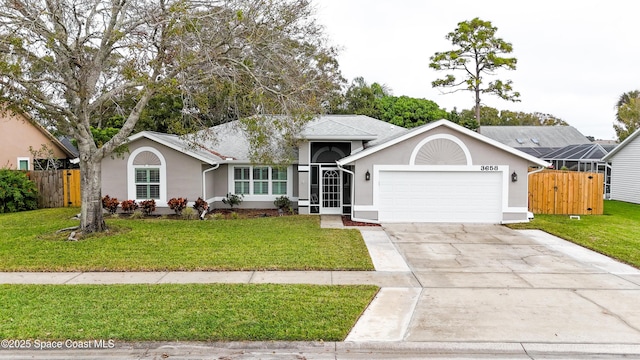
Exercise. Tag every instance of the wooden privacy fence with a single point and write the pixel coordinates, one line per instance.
(57, 188)
(566, 193)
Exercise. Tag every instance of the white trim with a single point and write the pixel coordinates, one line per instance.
(23, 158)
(303, 203)
(422, 129)
(152, 137)
(303, 168)
(459, 142)
(516, 210)
(266, 197)
(624, 143)
(131, 175)
(337, 150)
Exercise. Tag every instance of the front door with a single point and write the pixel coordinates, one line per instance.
(331, 196)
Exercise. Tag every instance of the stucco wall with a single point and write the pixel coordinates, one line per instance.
(16, 136)
(183, 174)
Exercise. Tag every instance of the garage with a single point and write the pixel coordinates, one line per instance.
(440, 196)
(439, 173)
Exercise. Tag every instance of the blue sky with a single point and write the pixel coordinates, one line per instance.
(574, 58)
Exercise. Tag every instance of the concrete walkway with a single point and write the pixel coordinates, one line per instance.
(447, 291)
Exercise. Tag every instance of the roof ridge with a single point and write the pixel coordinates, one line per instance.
(341, 124)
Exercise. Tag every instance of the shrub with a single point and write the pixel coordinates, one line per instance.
(177, 204)
(17, 192)
(129, 206)
(189, 214)
(201, 206)
(282, 202)
(233, 199)
(110, 204)
(148, 206)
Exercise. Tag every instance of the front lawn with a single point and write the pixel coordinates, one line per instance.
(193, 312)
(28, 243)
(616, 233)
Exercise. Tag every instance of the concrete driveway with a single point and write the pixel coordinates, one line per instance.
(488, 283)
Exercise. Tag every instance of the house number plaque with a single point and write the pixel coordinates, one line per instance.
(489, 168)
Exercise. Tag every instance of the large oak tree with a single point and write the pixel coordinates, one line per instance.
(477, 53)
(65, 61)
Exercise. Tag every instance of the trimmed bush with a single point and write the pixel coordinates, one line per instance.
(177, 204)
(148, 206)
(201, 206)
(129, 206)
(110, 204)
(17, 192)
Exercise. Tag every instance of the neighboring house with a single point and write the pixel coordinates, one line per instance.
(347, 164)
(625, 169)
(535, 140)
(562, 146)
(18, 133)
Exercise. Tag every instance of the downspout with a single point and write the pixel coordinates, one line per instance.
(204, 183)
(353, 194)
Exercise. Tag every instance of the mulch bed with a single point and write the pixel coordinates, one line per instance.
(245, 213)
(346, 221)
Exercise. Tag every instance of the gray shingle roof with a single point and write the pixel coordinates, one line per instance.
(355, 127)
(228, 142)
(535, 136)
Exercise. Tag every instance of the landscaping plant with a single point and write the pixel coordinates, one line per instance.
(148, 206)
(17, 192)
(233, 199)
(177, 205)
(282, 203)
(129, 206)
(110, 204)
(201, 206)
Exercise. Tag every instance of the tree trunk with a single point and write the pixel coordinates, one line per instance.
(477, 109)
(91, 219)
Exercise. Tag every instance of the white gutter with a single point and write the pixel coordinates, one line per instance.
(204, 183)
(353, 196)
(537, 171)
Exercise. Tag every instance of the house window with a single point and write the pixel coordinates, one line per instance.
(148, 183)
(279, 181)
(23, 163)
(241, 180)
(260, 180)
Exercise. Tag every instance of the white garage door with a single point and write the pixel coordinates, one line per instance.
(417, 196)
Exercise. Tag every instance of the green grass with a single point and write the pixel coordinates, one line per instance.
(616, 233)
(181, 312)
(27, 243)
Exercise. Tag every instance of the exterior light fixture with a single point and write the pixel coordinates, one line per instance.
(367, 175)
(514, 177)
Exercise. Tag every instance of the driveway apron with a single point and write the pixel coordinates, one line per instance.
(488, 283)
